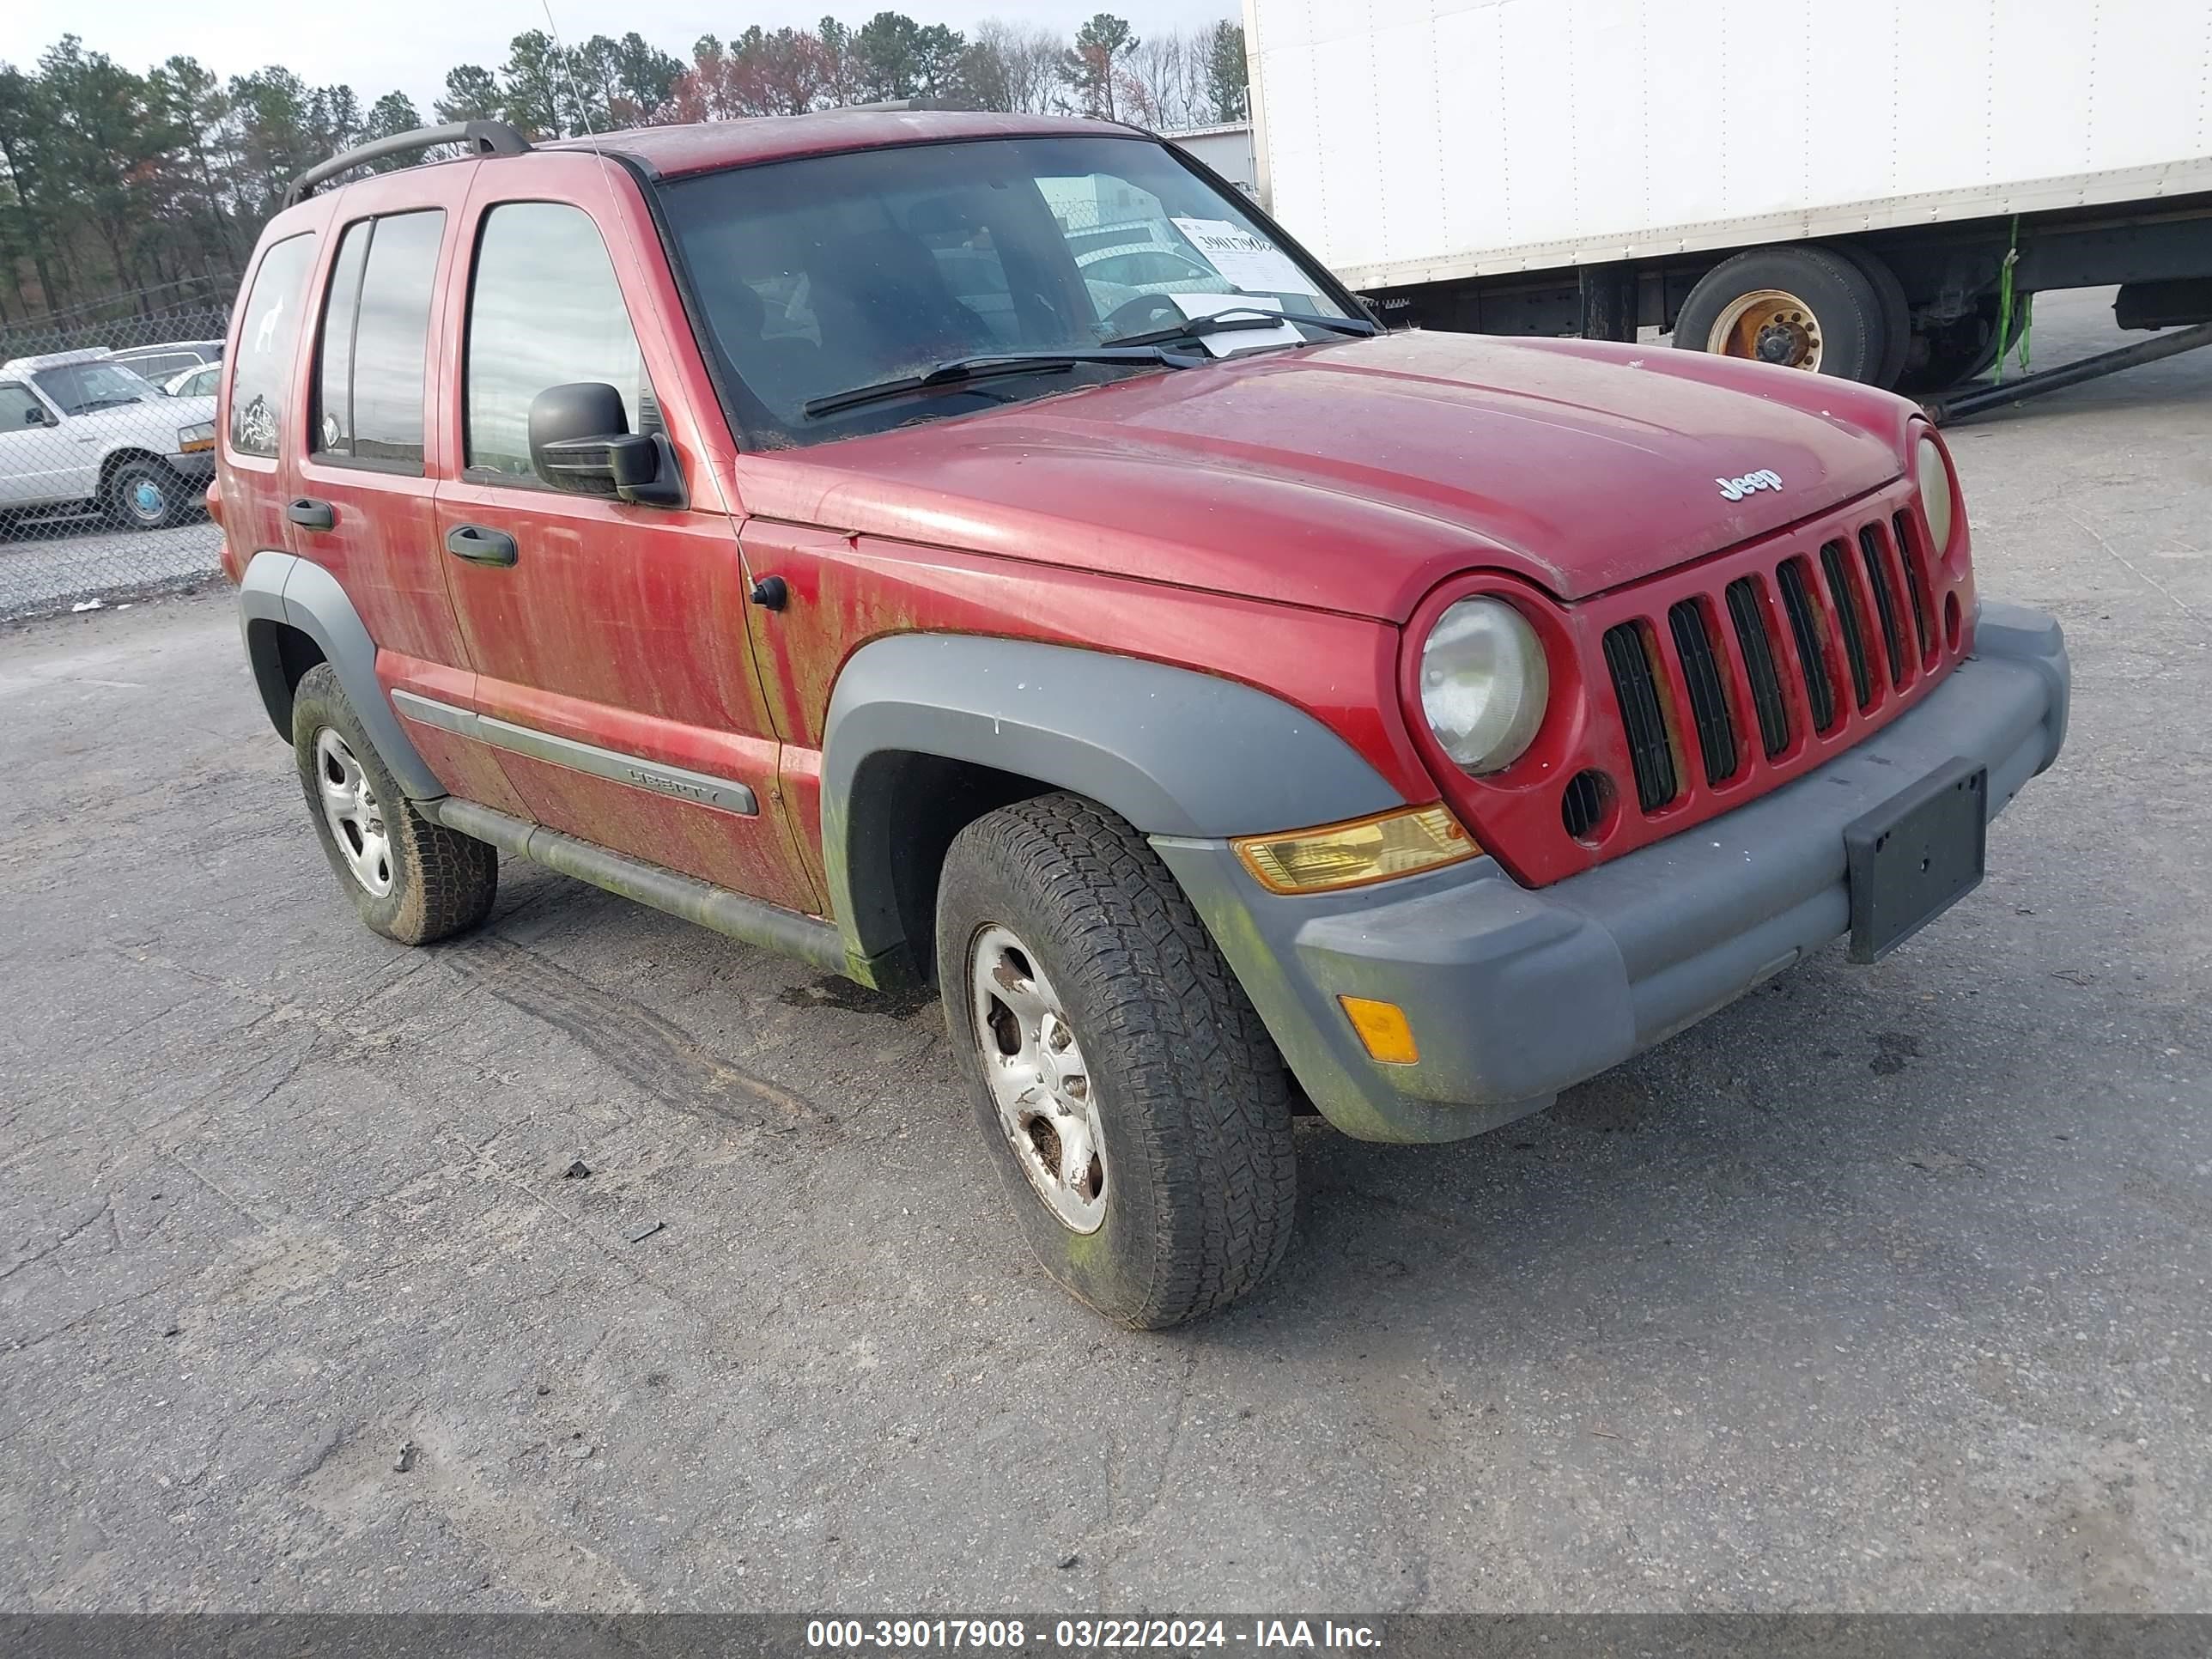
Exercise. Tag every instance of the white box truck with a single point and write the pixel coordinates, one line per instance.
(1839, 185)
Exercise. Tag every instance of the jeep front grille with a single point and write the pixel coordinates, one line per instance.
(1701, 674)
(1884, 602)
(1809, 644)
(1805, 628)
(1836, 569)
(1628, 659)
(1746, 611)
(1916, 583)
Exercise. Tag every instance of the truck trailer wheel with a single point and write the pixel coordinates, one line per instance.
(1896, 310)
(1136, 1108)
(1799, 308)
(1951, 354)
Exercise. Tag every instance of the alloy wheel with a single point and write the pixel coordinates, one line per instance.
(355, 814)
(1038, 1079)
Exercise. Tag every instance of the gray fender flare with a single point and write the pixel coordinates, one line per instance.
(1175, 752)
(280, 587)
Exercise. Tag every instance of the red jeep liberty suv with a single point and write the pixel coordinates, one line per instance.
(799, 526)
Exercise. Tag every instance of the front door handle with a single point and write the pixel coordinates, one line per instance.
(311, 515)
(479, 545)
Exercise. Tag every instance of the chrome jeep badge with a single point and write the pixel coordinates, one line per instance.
(1735, 489)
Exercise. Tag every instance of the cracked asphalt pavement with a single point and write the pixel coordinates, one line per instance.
(1885, 1288)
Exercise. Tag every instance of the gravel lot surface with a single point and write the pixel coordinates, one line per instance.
(1885, 1288)
(49, 566)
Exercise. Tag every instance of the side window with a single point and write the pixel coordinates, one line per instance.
(375, 340)
(267, 339)
(19, 408)
(545, 310)
(334, 349)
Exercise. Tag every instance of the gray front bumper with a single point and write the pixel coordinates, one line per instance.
(1514, 995)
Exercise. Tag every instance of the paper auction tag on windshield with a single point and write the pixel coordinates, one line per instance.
(1195, 306)
(1247, 260)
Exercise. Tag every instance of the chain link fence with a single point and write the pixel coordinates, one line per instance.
(106, 446)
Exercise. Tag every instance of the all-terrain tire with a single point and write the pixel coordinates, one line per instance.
(441, 882)
(1191, 1100)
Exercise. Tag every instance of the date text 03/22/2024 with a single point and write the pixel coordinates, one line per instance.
(1086, 1635)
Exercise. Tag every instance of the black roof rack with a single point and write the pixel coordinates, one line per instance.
(483, 137)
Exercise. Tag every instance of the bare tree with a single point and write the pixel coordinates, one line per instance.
(1015, 66)
(1164, 82)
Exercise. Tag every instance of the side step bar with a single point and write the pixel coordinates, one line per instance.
(739, 917)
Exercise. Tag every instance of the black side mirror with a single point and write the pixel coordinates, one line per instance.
(581, 442)
(35, 416)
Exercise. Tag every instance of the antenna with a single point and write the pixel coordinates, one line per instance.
(584, 116)
(614, 211)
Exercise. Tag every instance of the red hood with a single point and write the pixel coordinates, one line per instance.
(1354, 477)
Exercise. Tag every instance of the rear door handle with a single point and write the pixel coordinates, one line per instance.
(311, 515)
(479, 545)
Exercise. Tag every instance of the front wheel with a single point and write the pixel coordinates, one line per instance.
(1136, 1108)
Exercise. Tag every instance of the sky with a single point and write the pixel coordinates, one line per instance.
(408, 45)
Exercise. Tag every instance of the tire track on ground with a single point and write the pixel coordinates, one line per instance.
(651, 1051)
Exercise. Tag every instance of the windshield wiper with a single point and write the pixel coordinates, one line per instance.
(1360, 326)
(102, 403)
(961, 372)
(1235, 317)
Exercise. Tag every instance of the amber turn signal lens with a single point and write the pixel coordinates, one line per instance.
(1399, 843)
(1382, 1030)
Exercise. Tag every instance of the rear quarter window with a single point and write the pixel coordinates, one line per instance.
(267, 342)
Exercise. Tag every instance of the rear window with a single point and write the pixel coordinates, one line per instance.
(375, 341)
(267, 340)
(161, 365)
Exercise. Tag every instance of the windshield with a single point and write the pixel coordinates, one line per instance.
(833, 272)
(80, 388)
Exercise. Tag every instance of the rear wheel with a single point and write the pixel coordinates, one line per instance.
(1137, 1109)
(1951, 354)
(1896, 310)
(1807, 308)
(146, 495)
(410, 879)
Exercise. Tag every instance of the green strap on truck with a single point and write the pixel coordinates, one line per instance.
(2005, 306)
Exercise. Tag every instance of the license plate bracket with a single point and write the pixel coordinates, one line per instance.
(1915, 855)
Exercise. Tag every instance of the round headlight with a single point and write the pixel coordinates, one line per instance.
(1935, 494)
(1484, 682)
